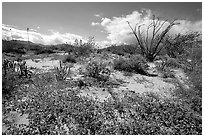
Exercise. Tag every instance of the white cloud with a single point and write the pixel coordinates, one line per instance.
(54, 38)
(94, 23)
(38, 27)
(97, 15)
(105, 21)
(119, 31)
(33, 30)
(186, 26)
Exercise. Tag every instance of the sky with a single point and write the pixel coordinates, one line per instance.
(61, 22)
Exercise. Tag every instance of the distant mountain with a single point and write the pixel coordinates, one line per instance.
(122, 49)
(19, 46)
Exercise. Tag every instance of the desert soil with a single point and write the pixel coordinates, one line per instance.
(136, 83)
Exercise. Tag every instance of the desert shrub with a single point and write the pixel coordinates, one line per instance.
(165, 64)
(167, 73)
(196, 77)
(8, 83)
(11, 81)
(84, 50)
(93, 69)
(97, 70)
(180, 44)
(168, 62)
(119, 64)
(193, 68)
(135, 64)
(69, 58)
(139, 59)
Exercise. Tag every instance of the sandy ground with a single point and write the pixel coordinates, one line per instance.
(136, 83)
(42, 64)
(141, 84)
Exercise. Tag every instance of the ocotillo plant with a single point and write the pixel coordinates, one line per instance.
(11, 35)
(28, 37)
(150, 46)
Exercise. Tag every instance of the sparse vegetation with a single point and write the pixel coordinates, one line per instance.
(56, 111)
(56, 105)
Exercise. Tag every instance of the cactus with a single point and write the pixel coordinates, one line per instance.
(62, 72)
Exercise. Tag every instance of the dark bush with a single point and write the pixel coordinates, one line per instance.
(118, 64)
(11, 80)
(136, 64)
(44, 51)
(8, 83)
(84, 50)
(69, 58)
(181, 44)
(196, 77)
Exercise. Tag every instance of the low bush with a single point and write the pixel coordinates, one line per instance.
(196, 77)
(165, 64)
(135, 64)
(11, 81)
(84, 50)
(98, 70)
(181, 44)
(119, 64)
(69, 58)
(139, 59)
(8, 82)
(168, 62)
(93, 69)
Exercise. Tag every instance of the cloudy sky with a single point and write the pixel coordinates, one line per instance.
(55, 23)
